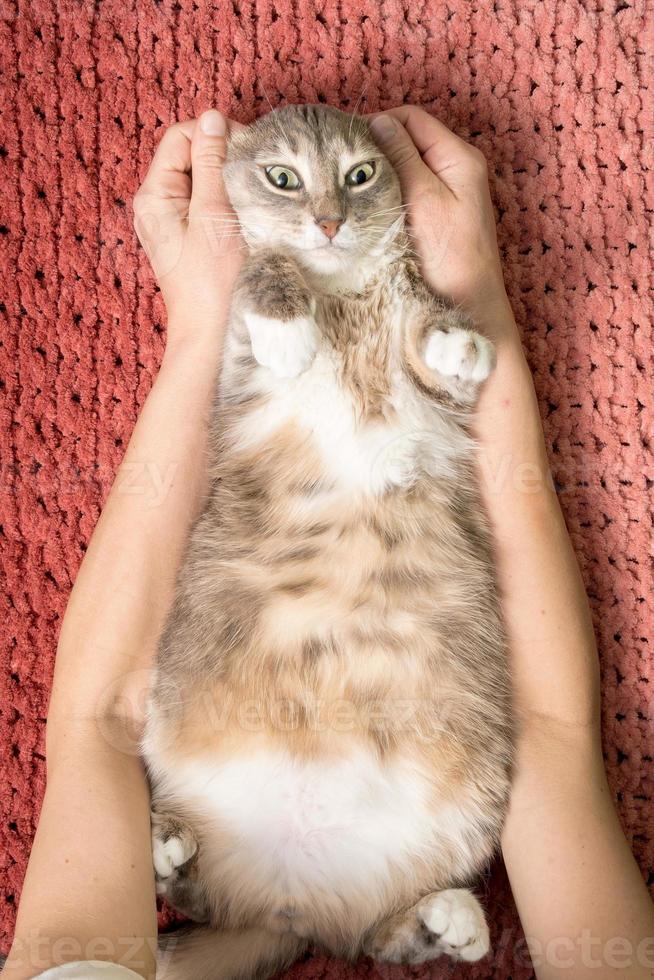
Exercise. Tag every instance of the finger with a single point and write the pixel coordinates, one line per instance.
(208, 154)
(172, 160)
(161, 203)
(400, 149)
(169, 173)
(445, 153)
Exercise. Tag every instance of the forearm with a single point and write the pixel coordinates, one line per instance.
(89, 888)
(553, 653)
(569, 864)
(124, 587)
(571, 870)
(582, 901)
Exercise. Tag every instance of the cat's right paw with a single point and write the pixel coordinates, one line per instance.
(286, 347)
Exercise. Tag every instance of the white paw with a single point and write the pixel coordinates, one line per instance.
(170, 854)
(460, 354)
(457, 920)
(286, 347)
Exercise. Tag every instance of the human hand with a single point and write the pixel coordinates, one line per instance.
(187, 226)
(445, 185)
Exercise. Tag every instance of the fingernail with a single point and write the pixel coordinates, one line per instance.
(212, 123)
(383, 128)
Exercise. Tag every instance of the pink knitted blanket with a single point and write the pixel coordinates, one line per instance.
(555, 93)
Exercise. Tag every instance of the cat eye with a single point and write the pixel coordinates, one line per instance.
(360, 174)
(283, 178)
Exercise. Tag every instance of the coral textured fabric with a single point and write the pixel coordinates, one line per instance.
(556, 96)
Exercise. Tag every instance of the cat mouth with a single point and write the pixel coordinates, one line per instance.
(328, 247)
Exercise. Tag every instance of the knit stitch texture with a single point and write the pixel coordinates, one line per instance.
(553, 92)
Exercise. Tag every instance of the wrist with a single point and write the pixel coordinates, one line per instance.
(196, 330)
(489, 307)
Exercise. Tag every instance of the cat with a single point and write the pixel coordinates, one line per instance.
(329, 737)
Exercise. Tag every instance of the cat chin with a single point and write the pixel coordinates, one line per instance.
(326, 261)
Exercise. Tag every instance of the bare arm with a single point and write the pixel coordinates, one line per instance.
(571, 870)
(581, 898)
(89, 890)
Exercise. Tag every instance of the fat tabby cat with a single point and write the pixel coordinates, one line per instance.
(329, 736)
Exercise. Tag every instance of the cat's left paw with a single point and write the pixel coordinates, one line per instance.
(173, 846)
(461, 354)
(286, 347)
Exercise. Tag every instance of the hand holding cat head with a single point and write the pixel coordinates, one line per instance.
(185, 223)
(445, 184)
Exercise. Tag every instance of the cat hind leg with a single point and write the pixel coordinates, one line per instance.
(207, 954)
(448, 922)
(175, 860)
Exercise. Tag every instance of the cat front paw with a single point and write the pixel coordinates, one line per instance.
(461, 354)
(286, 347)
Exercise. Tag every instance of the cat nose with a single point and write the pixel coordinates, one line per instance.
(329, 225)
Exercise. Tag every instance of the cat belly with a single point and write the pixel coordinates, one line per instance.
(320, 844)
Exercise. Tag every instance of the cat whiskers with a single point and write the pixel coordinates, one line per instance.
(397, 207)
(218, 226)
(263, 89)
(353, 114)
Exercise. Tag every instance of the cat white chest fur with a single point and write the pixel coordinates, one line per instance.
(361, 458)
(304, 826)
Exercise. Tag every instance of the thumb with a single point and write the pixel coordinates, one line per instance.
(208, 153)
(393, 139)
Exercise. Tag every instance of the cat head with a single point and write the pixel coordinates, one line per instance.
(312, 181)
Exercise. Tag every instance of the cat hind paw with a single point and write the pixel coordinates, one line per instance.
(173, 846)
(457, 921)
